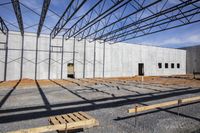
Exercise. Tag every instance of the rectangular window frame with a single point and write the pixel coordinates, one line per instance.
(159, 65)
(172, 65)
(178, 65)
(166, 65)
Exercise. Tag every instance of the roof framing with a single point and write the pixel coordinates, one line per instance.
(16, 7)
(112, 20)
(69, 12)
(4, 29)
(45, 7)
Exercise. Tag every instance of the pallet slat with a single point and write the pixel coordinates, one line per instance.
(67, 118)
(73, 117)
(80, 116)
(60, 119)
(85, 115)
(53, 121)
(165, 104)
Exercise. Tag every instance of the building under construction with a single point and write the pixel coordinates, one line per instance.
(74, 66)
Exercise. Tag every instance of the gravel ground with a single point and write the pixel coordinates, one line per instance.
(27, 108)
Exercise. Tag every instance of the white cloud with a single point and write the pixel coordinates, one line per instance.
(177, 41)
(194, 39)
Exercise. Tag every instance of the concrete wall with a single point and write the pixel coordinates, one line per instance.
(121, 59)
(192, 59)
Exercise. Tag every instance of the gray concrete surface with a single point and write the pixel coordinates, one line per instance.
(192, 59)
(121, 59)
(31, 107)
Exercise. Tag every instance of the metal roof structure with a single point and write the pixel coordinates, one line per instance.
(98, 20)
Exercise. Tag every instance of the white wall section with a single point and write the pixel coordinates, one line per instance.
(121, 59)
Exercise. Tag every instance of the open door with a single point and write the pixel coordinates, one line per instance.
(70, 70)
(141, 69)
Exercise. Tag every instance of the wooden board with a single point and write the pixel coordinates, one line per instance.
(70, 121)
(165, 104)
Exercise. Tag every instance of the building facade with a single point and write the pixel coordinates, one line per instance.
(84, 59)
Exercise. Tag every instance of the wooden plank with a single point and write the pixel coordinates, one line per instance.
(59, 127)
(53, 121)
(60, 119)
(86, 115)
(41, 129)
(190, 99)
(80, 116)
(165, 104)
(73, 117)
(67, 118)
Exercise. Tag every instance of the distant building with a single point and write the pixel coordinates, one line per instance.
(192, 59)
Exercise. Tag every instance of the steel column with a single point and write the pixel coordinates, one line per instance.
(49, 67)
(104, 58)
(36, 57)
(22, 58)
(62, 54)
(45, 7)
(94, 65)
(74, 48)
(84, 58)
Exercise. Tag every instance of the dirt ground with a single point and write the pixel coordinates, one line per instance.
(182, 80)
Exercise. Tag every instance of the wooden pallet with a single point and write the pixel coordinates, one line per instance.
(66, 122)
(74, 121)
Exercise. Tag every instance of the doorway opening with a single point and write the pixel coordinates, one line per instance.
(141, 69)
(70, 70)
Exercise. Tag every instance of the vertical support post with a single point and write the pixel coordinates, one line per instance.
(94, 65)
(179, 103)
(84, 58)
(6, 57)
(49, 67)
(104, 59)
(22, 58)
(136, 115)
(63, 41)
(142, 81)
(74, 48)
(36, 57)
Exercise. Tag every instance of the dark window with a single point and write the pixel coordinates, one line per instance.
(141, 69)
(178, 65)
(159, 65)
(172, 65)
(166, 65)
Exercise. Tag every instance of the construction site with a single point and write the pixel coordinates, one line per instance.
(84, 66)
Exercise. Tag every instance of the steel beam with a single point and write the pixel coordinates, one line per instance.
(113, 21)
(69, 12)
(175, 20)
(4, 29)
(158, 17)
(45, 7)
(17, 10)
(99, 11)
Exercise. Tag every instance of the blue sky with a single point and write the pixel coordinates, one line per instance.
(185, 36)
(180, 37)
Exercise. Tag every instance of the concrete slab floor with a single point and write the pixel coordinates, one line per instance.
(31, 107)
